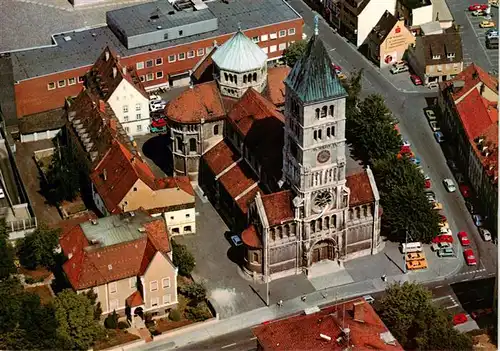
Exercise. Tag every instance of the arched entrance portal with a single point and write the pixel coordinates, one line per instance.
(323, 250)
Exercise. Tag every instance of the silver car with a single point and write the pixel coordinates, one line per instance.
(449, 185)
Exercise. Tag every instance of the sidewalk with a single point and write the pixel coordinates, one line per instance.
(290, 307)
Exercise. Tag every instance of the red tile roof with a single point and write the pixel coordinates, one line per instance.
(275, 86)
(205, 63)
(261, 125)
(361, 190)
(202, 102)
(135, 299)
(181, 182)
(471, 76)
(251, 238)
(117, 173)
(220, 157)
(303, 332)
(475, 115)
(238, 179)
(245, 201)
(92, 266)
(278, 207)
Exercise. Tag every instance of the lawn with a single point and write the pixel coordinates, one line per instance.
(115, 337)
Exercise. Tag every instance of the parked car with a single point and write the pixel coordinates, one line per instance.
(154, 97)
(449, 185)
(416, 79)
(405, 149)
(478, 220)
(438, 206)
(235, 239)
(443, 239)
(441, 245)
(406, 143)
(444, 224)
(476, 7)
(400, 63)
(492, 43)
(452, 165)
(446, 252)
(432, 85)
(478, 13)
(459, 318)
(491, 34)
(369, 299)
(470, 206)
(430, 196)
(485, 233)
(439, 137)
(415, 160)
(445, 231)
(464, 239)
(434, 126)
(481, 312)
(337, 68)
(487, 24)
(431, 116)
(470, 259)
(399, 69)
(427, 183)
(492, 31)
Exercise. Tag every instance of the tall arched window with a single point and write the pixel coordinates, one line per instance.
(254, 77)
(216, 129)
(324, 111)
(287, 230)
(313, 226)
(244, 79)
(235, 79)
(225, 77)
(192, 145)
(255, 257)
(327, 222)
(331, 110)
(231, 78)
(273, 234)
(317, 113)
(320, 224)
(334, 221)
(179, 144)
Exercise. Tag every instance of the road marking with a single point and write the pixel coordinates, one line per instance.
(442, 298)
(480, 43)
(229, 345)
(455, 305)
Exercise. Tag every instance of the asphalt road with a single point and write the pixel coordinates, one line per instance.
(408, 109)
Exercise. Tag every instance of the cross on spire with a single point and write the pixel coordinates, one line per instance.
(316, 24)
(239, 26)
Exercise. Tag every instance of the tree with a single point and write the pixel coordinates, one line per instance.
(111, 321)
(353, 87)
(39, 248)
(182, 258)
(76, 326)
(195, 291)
(7, 266)
(403, 200)
(294, 52)
(63, 177)
(408, 312)
(92, 296)
(370, 130)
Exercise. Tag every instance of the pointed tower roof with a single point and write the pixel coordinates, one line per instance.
(313, 77)
(239, 54)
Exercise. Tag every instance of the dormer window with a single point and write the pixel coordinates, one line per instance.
(436, 57)
(450, 55)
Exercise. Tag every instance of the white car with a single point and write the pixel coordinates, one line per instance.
(154, 98)
(399, 69)
(449, 185)
(431, 116)
(2, 194)
(157, 105)
(493, 34)
(445, 231)
(485, 233)
(434, 126)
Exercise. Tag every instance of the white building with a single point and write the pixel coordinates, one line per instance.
(122, 89)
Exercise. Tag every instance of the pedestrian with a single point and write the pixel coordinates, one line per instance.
(280, 303)
(384, 277)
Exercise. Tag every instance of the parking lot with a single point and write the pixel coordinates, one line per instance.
(473, 37)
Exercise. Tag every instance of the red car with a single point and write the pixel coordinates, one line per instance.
(159, 123)
(443, 218)
(337, 68)
(478, 7)
(427, 183)
(460, 318)
(405, 149)
(480, 313)
(470, 259)
(465, 190)
(416, 79)
(464, 239)
(443, 239)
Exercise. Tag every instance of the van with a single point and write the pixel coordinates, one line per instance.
(492, 43)
(411, 247)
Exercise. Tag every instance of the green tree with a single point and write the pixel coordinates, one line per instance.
(111, 321)
(92, 296)
(39, 248)
(408, 312)
(195, 291)
(76, 327)
(63, 177)
(405, 205)
(7, 266)
(182, 258)
(353, 87)
(294, 52)
(370, 130)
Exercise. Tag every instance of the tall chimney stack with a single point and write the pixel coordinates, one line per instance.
(115, 71)
(107, 55)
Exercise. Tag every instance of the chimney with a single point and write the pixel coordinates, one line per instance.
(104, 176)
(481, 89)
(70, 255)
(325, 337)
(102, 106)
(107, 55)
(115, 71)
(359, 311)
(124, 70)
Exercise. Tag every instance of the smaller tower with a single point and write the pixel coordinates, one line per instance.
(240, 64)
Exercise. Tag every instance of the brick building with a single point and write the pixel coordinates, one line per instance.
(163, 42)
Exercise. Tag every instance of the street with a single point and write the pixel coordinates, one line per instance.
(408, 107)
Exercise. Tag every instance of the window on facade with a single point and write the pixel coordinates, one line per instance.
(328, 132)
(138, 116)
(255, 39)
(179, 144)
(182, 56)
(255, 257)
(127, 129)
(273, 36)
(200, 52)
(315, 135)
(81, 79)
(216, 129)
(331, 109)
(265, 49)
(171, 58)
(273, 48)
(51, 86)
(139, 65)
(71, 81)
(112, 288)
(175, 230)
(149, 77)
(137, 107)
(291, 31)
(61, 83)
(165, 283)
(142, 78)
(125, 108)
(190, 53)
(153, 285)
(154, 302)
(113, 305)
(317, 113)
(264, 37)
(181, 33)
(125, 118)
(324, 110)
(159, 61)
(282, 33)
(159, 74)
(149, 63)
(436, 57)
(192, 145)
(167, 299)
(139, 128)
(132, 282)
(207, 50)
(187, 229)
(165, 36)
(319, 134)
(282, 46)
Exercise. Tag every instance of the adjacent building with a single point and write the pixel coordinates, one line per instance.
(122, 89)
(414, 12)
(126, 260)
(438, 56)
(162, 41)
(469, 106)
(352, 325)
(388, 41)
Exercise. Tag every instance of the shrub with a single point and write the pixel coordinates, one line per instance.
(196, 291)
(183, 259)
(197, 313)
(174, 315)
(111, 321)
(122, 325)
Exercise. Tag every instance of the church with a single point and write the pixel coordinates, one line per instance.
(268, 148)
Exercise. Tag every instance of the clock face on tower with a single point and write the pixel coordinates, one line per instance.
(323, 156)
(322, 200)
